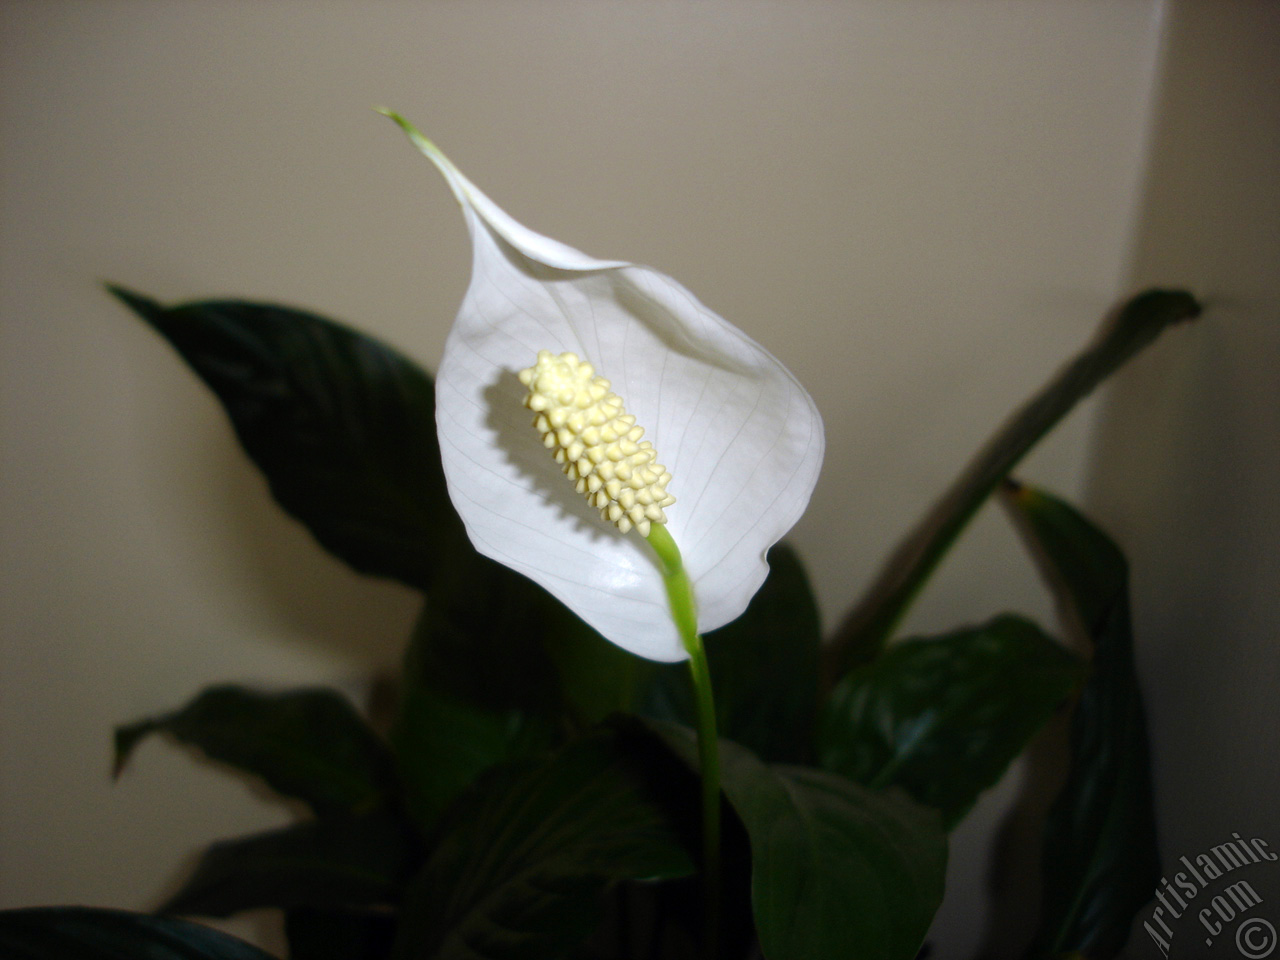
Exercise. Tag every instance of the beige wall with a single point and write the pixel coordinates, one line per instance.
(921, 208)
(1186, 463)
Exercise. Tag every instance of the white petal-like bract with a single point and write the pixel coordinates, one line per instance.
(739, 435)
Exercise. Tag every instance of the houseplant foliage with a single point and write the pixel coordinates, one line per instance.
(540, 791)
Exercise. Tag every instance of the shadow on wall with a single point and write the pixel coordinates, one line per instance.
(1186, 460)
(1185, 469)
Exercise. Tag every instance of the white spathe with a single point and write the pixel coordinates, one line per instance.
(740, 436)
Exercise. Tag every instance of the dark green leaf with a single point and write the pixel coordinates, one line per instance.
(1100, 852)
(943, 717)
(332, 862)
(442, 744)
(597, 678)
(338, 934)
(83, 933)
(479, 687)
(306, 744)
(764, 669)
(1126, 331)
(496, 664)
(480, 639)
(342, 426)
(495, 639)
(527, 853)
(839, 872)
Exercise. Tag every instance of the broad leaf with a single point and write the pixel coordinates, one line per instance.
(332, 862)
(342, 426)
(481, 638)
(307, 744)
(442, 744)
(764, 669)
(494, 666)
(84, 933)
(1127, 330)
(521, 864)
(344, 429)
(478, 687)
(1100, 854)
(943, 717)
(596, 678)
(839, 871)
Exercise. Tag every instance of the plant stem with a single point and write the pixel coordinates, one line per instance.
(684, 612)
(1129, 328)
(709, 760)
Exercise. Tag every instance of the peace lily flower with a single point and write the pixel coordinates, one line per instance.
(604, 352)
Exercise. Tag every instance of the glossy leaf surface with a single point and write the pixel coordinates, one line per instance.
(839, 871)
(524, 858)
(479, 685)
(1102, 862)
(341, 425)
(943, 717)
(307, 744)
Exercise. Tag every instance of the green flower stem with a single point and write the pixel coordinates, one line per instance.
(684, 612)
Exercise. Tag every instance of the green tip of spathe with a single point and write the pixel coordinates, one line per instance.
(457, 183)
(414, 134)
(399, 121)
